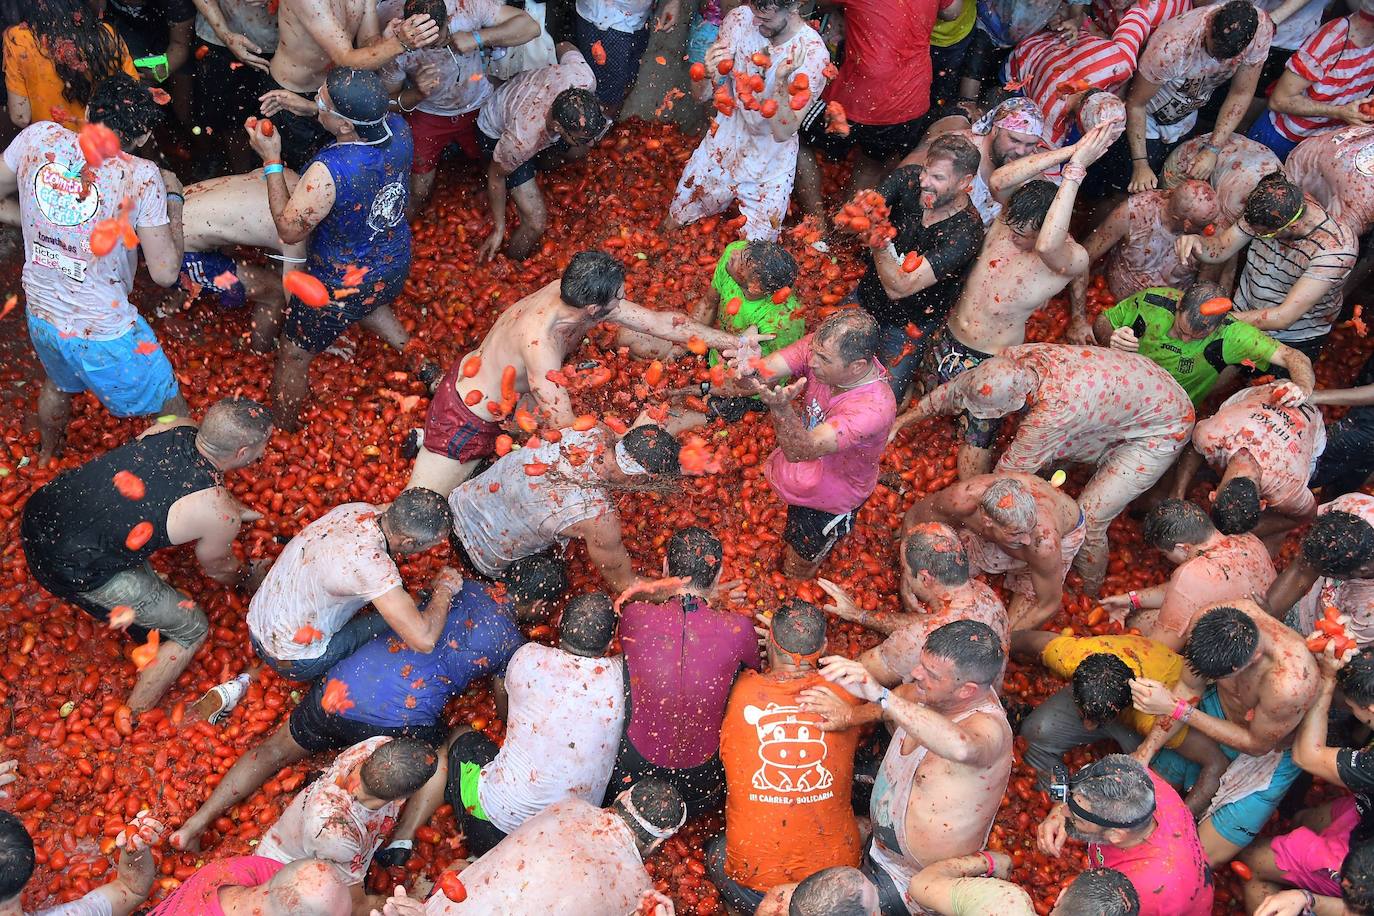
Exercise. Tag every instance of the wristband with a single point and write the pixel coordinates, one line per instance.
(171, 194)
(477, 37)
(1182, 710)
(1074, 172)
(1134, 598)
(1311, 900)
(884, 697)
(272, 168)
(1140, 158)
(1211, 148)
(992, 866)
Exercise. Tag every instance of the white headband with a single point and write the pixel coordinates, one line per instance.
(657, 833)
(627, 462)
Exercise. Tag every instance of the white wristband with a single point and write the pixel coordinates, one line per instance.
(892, 251)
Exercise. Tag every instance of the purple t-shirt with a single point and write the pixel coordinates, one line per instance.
(682, 662)
(862, 417)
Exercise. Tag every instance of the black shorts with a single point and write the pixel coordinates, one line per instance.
(732, 410)
(476, 750)
(947, 359)
(542, 162)
(702, 787)
(623, 52)
(316, 329)
(316, 730)
(813, 533)
(880, 142)
(226, 95)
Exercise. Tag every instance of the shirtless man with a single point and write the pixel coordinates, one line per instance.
(1269, 437)
(533, 338)
(1334, 567)
(1139, 236)
(1086, 404)
(935, 589)
(1211, 567)
(228, 212)
(1027, 257)
(1016, 524)
(315, 36)
(946, 769)
(1008, 132)
(1256, 679)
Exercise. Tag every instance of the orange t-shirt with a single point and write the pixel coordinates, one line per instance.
(788, 783)
(29, 72)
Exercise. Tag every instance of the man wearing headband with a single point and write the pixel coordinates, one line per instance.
(1295, 268)
(1185, 61)
(747, 157)
(1018, 524)
(1138, 238)
(1078, 404)
(1194, 336)
(533, 337)
(350, 203)
(1246, 685)
(1009, 132)
(942, 779)
(564, 709)
(573, 859)
(788, 782)
(232, 212)
(1027, 257)
(540, 497)
(1134, 822)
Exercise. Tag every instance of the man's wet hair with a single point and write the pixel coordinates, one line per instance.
(1338, 544)
(588, 624)
(125, 106)
(1176, 522)
(232, 424)
(16, 856)
(773, 265)
(420, 514)
(658, 802)
(535, 578)
(359, 95)
(939, 553)
(1102, 687)
(962, 155)
(1030, 204)
(697, 554)
(854, 333)
(1356, 678)
(578, 112)
(1357, 877)
(1236, 509)
(655, 448)
(1116, 788)
(973, 647)
(591, 278)
(1009, 502)
(1223, 641)
(399, 768)
(1276, 200)
(434, 9)
(1232, 28)
(1190, 305)
(836, 891)
(1100, 892)
(799, 627)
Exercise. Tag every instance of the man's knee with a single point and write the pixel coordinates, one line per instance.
(191, 631)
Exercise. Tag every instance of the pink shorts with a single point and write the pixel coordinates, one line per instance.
(1312, 861)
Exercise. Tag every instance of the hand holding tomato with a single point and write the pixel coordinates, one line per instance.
(661, 904)
(266, 145)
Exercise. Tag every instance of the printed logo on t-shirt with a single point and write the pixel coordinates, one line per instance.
(1364, 160)
(59, 196)
(791, 755)
(815, 414)
(388, 209)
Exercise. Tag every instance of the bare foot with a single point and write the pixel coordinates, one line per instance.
(185, 840)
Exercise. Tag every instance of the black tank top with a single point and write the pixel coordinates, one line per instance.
(76, 525)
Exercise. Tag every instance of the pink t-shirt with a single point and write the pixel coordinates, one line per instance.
(1169, 870)
(326, 822)
(1147, 256)
(861, 417)
(199, 896)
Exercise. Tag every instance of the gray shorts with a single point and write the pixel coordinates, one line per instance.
(157, 606)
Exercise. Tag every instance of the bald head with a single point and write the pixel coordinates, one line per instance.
(1193, 204)
(308, 887)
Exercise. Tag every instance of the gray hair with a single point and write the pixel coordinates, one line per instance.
(1116, 788)
(1009, 502)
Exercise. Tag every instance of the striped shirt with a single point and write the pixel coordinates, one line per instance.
(1043, 62)
(1272, 266)
(1339, 72)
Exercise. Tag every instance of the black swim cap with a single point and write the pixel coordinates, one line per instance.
(360, 97)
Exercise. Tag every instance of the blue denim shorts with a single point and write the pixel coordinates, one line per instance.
(127, 382)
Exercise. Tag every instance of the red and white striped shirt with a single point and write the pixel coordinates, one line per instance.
(1042, 62)
(1339, 72)
(1111, 16)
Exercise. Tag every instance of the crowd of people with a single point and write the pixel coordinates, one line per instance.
(1215, 159)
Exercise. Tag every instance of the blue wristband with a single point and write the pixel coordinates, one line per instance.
(275, 168)
(477, 37)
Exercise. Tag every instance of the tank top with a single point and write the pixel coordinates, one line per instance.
(76, 526)
(366, 226)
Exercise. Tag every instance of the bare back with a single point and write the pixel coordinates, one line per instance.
(1007, 284)
(233, 211)
(1281, 687)
(300, 64)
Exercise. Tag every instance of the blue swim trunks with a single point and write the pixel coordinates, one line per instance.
(130, 374)
(204, 268)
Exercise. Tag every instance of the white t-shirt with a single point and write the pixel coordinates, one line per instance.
(1297, 28)
(566, 715)
(627, 16)
(573, 859)
(528, 514)
(322, 577)
(65, 284)
(1187, 75)
(457, 93)
(326, 822)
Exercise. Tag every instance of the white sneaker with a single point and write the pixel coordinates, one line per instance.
(227, 695)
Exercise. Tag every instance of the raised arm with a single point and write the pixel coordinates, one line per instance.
(513, 28)
(1005, 180)
(322, 24)
(1057, 249)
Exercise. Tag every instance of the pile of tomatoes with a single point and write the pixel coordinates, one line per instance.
(86, 766)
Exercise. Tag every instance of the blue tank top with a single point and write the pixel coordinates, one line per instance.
(367, 225)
